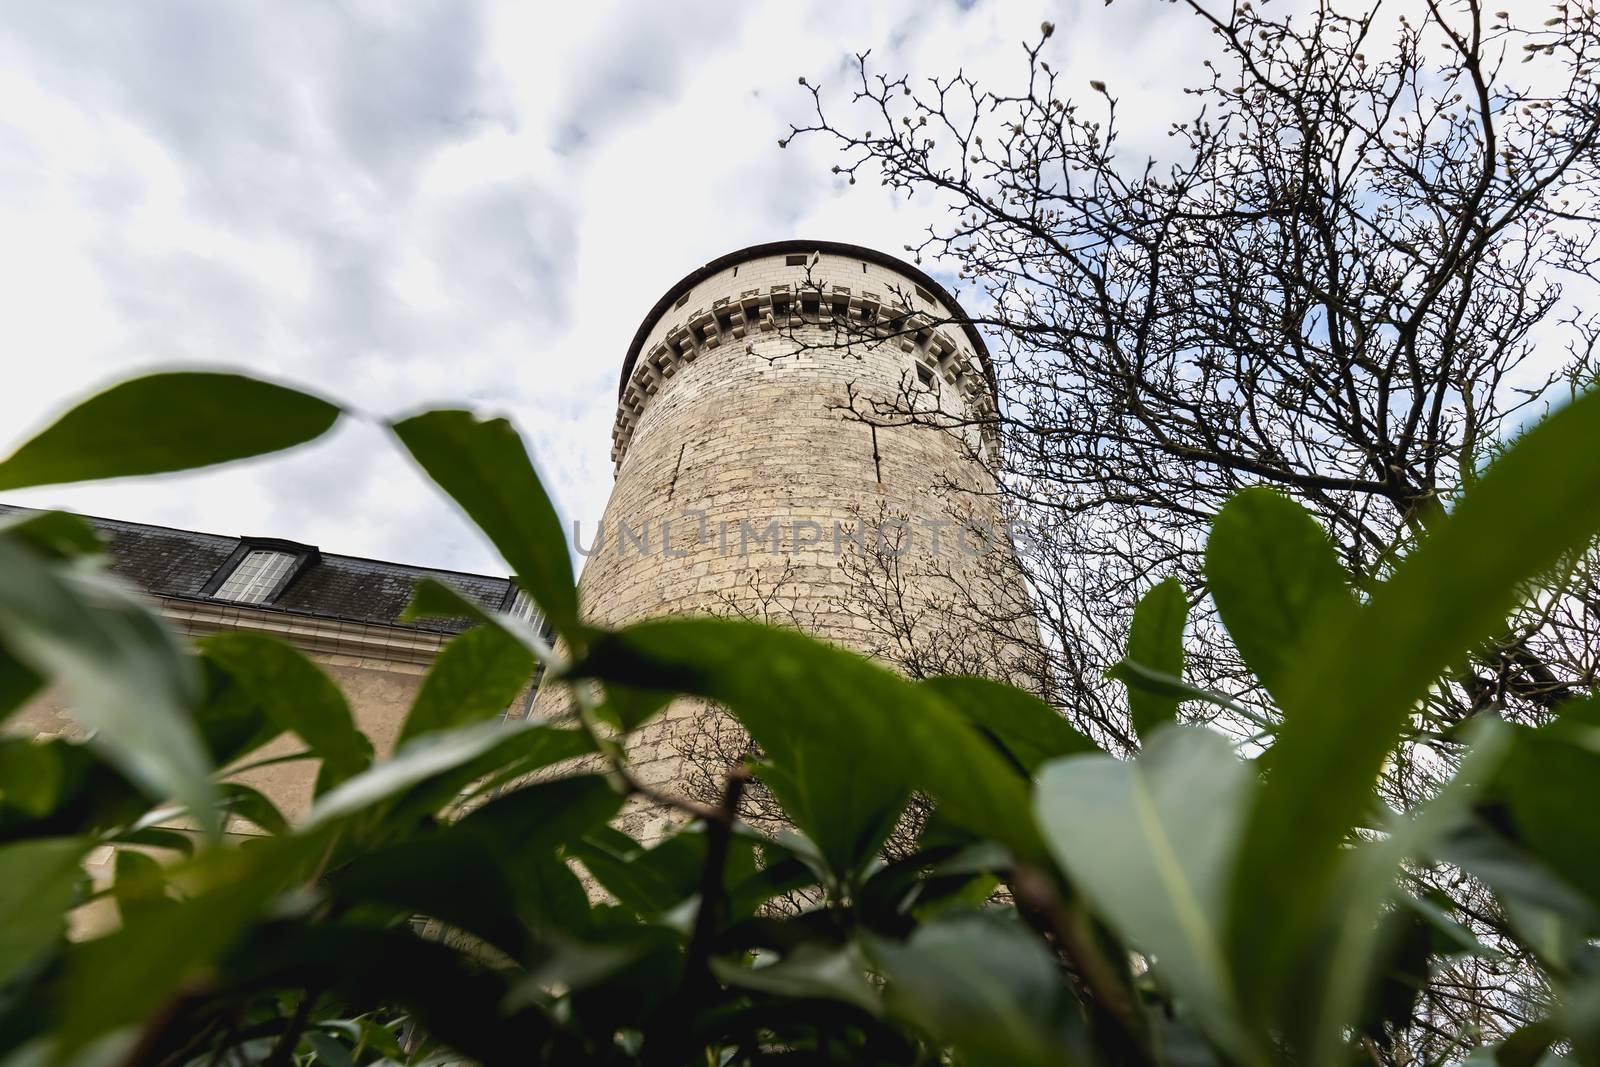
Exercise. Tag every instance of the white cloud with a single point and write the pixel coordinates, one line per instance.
(399, 205)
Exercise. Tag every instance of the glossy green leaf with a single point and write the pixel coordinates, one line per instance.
(985, 985)
(38, 880)
(296, 694)
(545, 814)
(433, 599)
(124, 673)
(1151, 843)
(123, 977)
(456, 878)
(476, 677)
(809, 971)
(521, 749)
(1546, 779)
(251, 804)
(1275, 578)
(1344, 707)
(457, 1001)
(1366, 887)
(484, 467)
(167, 422)
(1155, 640)
(850, 738)
(1030, 731)
(628, 871)
(432, 756)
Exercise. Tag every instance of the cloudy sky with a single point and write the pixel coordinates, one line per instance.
(411, 204)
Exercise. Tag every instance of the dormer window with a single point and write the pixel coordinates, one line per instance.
(259, 569)
(523, 608)
(256, 577)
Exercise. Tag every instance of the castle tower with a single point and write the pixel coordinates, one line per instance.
(745, 484)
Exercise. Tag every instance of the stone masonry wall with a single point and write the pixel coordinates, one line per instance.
(729, 424)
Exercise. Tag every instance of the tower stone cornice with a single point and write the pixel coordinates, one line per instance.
(890, 300)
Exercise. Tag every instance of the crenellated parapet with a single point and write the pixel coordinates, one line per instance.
(936, 349)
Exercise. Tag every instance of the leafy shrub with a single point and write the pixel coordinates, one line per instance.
(1198, 904)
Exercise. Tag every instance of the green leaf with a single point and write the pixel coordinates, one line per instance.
(167, 422)
(454, 999)
(981, 983)
(31, 776)
(456, 878)
(433, 755)
(1155, 640)
(1366, 886)
(491, 872)
(54, 534)
(1025, 727)
(546, 814)
(18, 683)
(38, 880)
(485, 469)
(125, 675)
(849, 739)
(140, 885)
(1274, 576)
(809, 971)
(477, 676)
(244, 802)
(329, 1049)
(1346, 703)
(1546, 779)
(629, 872)
(433, 599)
(520, 751)
(124, 976)
(1151, 843)
(296, 695)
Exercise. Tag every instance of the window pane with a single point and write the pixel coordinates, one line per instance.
(523, 608)
(253, 580)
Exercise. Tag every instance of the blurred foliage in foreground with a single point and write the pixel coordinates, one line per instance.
(1196, 905)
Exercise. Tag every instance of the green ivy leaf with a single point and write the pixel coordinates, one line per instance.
(169, 421)
(485, 469)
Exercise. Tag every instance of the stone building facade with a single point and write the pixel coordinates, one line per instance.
(343, 612)
(751, 471)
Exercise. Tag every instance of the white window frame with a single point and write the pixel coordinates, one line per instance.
(523, 607)
(254, 579)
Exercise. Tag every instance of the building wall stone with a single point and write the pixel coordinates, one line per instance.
(728, 422)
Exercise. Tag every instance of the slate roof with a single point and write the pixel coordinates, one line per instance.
(176, 563)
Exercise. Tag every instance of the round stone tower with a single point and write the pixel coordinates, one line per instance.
(754, 479)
